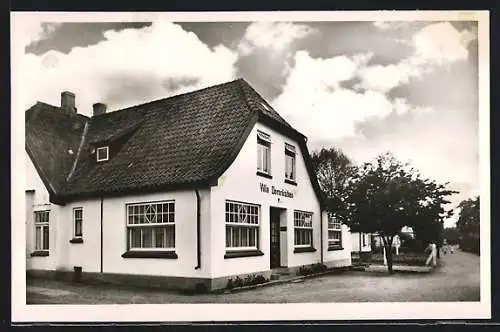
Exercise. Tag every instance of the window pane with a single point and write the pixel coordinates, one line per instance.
(45, 238)
(228, 236)
(159, 237)
(267, 159)
(170, 236)
(244, 237)
(38, 237)
(135, 233)
(259, 157)
(147, 237)
(78, 227)
(236, 236)
(251, 240)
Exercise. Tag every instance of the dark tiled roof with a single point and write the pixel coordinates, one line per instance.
(51, 137)
(178, 142)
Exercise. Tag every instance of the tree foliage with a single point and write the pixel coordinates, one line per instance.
(334, 170)
(385, 195)
(451, 235)
(468, 224)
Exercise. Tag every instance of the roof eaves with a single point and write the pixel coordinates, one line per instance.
(45, 180)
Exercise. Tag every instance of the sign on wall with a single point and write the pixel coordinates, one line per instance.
(274, 191)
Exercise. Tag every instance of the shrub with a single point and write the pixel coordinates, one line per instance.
(402, 258)
(316, 268)
(249, 280)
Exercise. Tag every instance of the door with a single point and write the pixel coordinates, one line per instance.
(274, 217)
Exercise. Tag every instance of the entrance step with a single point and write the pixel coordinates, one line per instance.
(275, 276)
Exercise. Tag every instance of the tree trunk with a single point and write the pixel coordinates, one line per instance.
(438, 248)
(388, 252)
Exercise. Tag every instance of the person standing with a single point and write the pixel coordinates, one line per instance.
(432, 249)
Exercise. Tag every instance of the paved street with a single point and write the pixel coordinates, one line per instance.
(456, 280)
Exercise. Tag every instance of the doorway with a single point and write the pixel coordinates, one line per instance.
(275, 247)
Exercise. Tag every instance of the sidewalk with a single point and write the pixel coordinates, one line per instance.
(399, 268)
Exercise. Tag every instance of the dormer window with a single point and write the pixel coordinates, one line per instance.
(102, 153)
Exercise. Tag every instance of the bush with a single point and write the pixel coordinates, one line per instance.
(249, 280)
(313, 269)
(402, 258)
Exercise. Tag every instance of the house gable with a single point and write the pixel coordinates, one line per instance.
(184, 141)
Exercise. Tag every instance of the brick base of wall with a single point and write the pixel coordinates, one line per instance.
(185, 284)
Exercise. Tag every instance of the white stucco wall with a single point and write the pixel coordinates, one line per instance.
(241, 183)
(336, 258)
(37, 199)
(114, 234)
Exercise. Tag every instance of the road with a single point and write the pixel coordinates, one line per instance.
(456, 280)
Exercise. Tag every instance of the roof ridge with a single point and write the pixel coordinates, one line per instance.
(128, 108)
(80, 147)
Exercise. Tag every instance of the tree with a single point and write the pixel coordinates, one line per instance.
(386, 195)
(468, 224)
(451, 235)
(334, 170)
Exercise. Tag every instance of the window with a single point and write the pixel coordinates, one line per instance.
(263, 153)
(289, 162)
(302, 228)
(42, 230)
(242, 225)
(363, 239)
(334, 232)
(77, 222)
(151, 226)
(103, 153)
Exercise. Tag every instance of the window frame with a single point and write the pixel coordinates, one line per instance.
(264, 143)
(42, 225)
(299, 227)
(290, 152)
(102, 148)
(246, 225)
(152, 225)
(76, 236)
(334, 225)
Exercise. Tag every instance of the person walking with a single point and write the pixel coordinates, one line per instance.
(432, 249)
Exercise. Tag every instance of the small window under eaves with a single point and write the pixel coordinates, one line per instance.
(102, 153)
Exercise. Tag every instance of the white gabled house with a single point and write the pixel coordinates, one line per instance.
(188, 190)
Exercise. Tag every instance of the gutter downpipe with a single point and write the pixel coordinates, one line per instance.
(101, 234)
(198, 240)
(322, 237)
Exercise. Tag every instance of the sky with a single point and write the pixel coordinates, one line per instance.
(409, 87)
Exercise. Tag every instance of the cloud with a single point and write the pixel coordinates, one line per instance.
(129, 67)
(29, 30)
(272, 35)
(314, 101)
(436, 44)
(393, 25)
(441, 43)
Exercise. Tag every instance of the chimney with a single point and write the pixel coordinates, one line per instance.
(68, 102)
(99, 108)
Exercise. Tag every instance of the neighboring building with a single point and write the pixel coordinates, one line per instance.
(396, 242)
(185, 191)
(361, 240)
